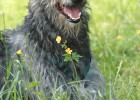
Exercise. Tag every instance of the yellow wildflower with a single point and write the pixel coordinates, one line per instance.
(119, 37)
(68, 50)
(19, 52)
(138, 32)
(58, 39)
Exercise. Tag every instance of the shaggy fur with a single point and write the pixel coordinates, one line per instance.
(42, 56)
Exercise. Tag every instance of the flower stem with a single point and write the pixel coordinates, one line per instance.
(75, 70)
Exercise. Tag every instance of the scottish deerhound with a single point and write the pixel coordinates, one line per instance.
(43, 57)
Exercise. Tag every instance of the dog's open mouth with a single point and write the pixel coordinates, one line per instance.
(72, 13)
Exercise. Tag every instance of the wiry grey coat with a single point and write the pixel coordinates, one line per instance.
(42, 58)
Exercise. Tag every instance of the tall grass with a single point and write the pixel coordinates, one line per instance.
(115, 42)
(117, 58)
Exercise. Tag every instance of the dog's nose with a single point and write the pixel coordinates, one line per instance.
(77, 1)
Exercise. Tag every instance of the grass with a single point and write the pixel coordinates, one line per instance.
(117, 58)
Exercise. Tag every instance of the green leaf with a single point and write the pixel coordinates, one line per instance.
(31, 85)
(64, 46)
(67, 57)
(39, 93)
(76, 56)
(72, 57)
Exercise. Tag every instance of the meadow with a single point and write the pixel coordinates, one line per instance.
(115, 41)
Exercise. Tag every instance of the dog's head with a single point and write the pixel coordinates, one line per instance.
(65, 14)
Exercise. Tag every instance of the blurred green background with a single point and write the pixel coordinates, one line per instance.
(115, 40)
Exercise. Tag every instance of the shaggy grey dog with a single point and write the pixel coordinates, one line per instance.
(42, 58)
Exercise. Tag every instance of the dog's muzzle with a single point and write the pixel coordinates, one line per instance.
(71, 11)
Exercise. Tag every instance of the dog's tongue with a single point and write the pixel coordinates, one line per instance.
(72, 12)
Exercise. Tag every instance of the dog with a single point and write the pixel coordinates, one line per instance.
(43, 57)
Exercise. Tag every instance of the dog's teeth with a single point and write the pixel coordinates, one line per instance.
(79, 14)
(70, 15)
(78, 18)
(73, 17)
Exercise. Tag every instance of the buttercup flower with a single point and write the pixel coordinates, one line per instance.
(58, 39)
(119, 37)
(138, 32)
(19, 52)
(68, 50)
